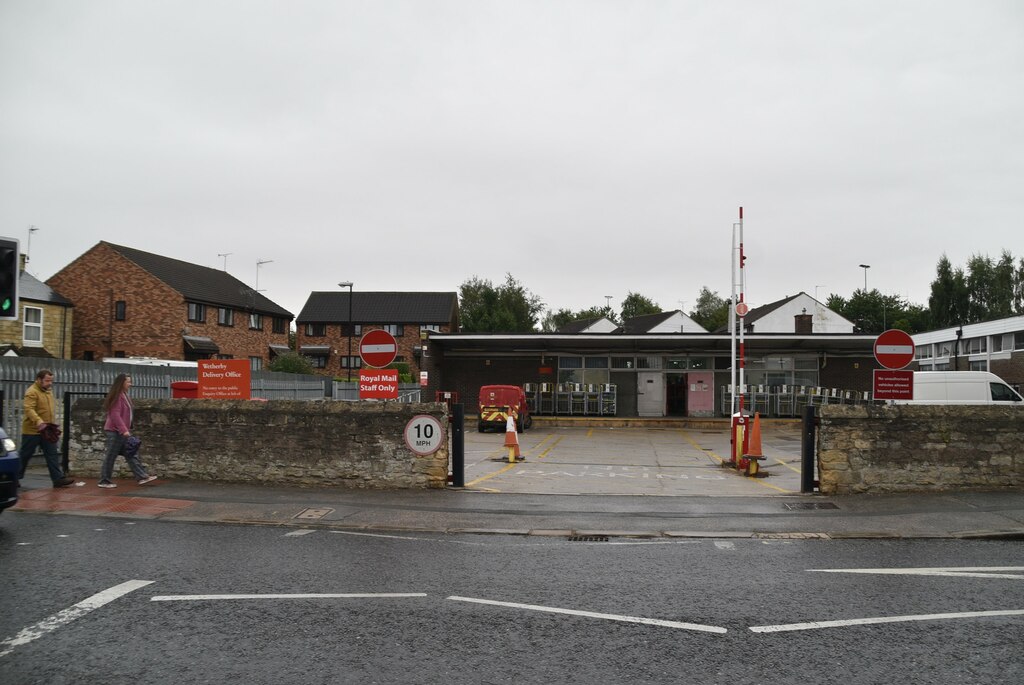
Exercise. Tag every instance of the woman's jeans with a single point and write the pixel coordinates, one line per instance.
(115, 441)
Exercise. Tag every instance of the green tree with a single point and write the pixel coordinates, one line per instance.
(948, 302)
(507, 308)
(291, 362)
(556, 320)
(711, 311)
(636, 305)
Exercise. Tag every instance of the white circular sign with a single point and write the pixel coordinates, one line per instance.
(424, 434)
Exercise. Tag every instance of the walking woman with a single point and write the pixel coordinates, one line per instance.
(117, 429)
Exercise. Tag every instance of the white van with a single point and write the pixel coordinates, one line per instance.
(962, 387)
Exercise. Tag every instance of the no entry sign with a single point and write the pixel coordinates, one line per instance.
(378, 348)
(894, 349)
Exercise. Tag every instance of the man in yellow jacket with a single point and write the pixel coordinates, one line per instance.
(40, 409)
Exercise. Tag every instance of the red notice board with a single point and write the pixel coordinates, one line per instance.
(224, 379)
(893, 385)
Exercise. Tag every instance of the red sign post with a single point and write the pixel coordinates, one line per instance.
(378, 348)
(894, 349)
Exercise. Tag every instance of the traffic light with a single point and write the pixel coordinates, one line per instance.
(9, 267)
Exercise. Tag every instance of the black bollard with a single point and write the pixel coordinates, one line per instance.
(458, 446)
(807, 451)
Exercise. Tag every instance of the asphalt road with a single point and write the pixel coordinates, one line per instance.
(429, 608)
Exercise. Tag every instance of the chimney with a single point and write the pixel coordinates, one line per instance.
(803, 323)
(24, 259)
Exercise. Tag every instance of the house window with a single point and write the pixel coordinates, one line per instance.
(923, 352)
(395, 329)
(350, 362)
(353, 330)
(318, 361)
(977, 345)
(432, 327)
(120, 309)
(256, 322)
(255, 363)
(197, 312)
(88, 356)
(316, 330)
(33, 328)
(980, 365)
(279, 325)
(225, 316)
(1018, 340)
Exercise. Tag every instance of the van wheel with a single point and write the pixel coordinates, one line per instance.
(480, 427)
(528, 423)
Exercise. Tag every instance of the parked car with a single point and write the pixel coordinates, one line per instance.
(10, 465)
(962, 387)
(496, 401)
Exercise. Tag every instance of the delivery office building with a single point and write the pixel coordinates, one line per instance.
(796, 351)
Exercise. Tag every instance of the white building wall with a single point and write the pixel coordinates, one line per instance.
(782, 320)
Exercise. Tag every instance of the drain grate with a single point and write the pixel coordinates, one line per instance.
(588, 538)
(795, 506)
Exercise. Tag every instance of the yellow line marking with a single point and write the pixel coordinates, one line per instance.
(491, 475)
(759, 481)
(590, 432)
(794, 470)
(551, 447)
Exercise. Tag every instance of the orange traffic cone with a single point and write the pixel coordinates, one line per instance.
(753, 451)
(512, 439)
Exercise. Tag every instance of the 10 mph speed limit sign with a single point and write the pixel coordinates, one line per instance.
(424, 434)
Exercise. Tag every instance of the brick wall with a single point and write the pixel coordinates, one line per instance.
(156, 315)
(338, 344)
(907, 448)
(320, 444)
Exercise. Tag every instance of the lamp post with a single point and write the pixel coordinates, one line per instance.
(865, 267)
(348, 359)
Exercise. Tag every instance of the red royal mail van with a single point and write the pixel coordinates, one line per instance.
(495, 403)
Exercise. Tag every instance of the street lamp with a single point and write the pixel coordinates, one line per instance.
(348, 360)
(865, 267)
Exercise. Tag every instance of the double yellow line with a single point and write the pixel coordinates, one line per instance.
(509, 467)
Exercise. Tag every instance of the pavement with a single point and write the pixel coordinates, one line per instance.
(978, 515)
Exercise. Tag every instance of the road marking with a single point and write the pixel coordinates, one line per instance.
(297, 533)
(346, 595)
(591, 614)
(491, 475)
(724, 545)
(953, 571)
(787, 465)
(68, 615)
(814, 625)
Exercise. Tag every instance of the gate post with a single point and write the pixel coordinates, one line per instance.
(807, 481)
(458, 446)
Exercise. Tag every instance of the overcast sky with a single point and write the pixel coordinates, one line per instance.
(589, 148)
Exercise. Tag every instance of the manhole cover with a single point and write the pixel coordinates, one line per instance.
(313, 513)
(797, 506)
(588, 538)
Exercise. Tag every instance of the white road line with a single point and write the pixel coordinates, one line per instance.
(724, 545)
(813, 625)
(297, 533)
(953, 571)
(405, 537)
(591, 614)
(346, 595)
(68, 615)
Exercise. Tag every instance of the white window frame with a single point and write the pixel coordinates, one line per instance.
(32, 325)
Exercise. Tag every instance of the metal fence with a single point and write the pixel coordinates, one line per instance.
(78, 378)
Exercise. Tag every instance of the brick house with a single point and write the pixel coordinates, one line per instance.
(130, 303)
(325, 333)
(44, 325)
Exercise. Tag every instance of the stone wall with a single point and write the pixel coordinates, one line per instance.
(903, 448)
(321, 444)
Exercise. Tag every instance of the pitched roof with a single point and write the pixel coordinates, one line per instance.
(580, 325)
(31, 288)
(201, 283)
(641, 324)
(758, 312)
(381, 307)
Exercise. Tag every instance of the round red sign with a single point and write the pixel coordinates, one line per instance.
(894, 349)
(378, 348)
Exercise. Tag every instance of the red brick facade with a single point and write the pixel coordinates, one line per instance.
(409, 345)
(155, 315)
